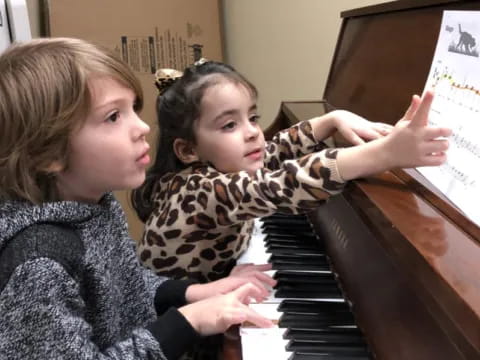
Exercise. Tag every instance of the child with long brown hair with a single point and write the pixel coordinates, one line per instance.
(71, 285)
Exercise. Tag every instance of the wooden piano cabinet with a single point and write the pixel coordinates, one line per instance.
(410, 274)
(232, 346)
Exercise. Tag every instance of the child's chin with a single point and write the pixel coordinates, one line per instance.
(135, 183)
(254, 169)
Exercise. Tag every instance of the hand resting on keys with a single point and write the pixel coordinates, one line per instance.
(240, 275)
(254, 272)
(216, 314)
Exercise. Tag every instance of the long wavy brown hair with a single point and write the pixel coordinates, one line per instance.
(44, 97)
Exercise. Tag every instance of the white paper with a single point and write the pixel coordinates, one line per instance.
(455, 78)
(4, 28)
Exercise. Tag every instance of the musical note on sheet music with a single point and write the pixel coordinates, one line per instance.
(455, 77)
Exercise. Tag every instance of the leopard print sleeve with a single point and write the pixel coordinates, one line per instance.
(291, 143)
(217, 199)
(203, 219)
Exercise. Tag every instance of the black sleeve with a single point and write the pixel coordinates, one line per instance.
(171, 293)
(174, 333)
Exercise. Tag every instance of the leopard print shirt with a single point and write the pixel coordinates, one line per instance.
(203, 218)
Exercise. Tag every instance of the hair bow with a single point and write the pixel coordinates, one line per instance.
(164, 78)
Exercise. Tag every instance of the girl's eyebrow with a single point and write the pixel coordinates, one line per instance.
(253, 107)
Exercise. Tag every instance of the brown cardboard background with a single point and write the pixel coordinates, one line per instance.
(106, 21)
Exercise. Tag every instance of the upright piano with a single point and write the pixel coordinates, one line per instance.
(407, 259)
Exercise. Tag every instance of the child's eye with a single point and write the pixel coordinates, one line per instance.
(254, 118)
(229, 126)
(137, 106)
(113, 116)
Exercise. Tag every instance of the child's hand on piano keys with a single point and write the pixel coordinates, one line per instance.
(254, 271)
(216, 314)
(239, 276)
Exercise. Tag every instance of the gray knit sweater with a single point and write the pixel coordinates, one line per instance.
(110, 312)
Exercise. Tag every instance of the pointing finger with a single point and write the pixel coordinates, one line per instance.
(421, 116)
(412, 109)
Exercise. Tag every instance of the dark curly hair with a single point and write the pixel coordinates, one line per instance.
(177, 109)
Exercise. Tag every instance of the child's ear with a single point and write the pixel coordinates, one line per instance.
(184, 151)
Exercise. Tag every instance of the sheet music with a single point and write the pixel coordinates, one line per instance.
(455, 77)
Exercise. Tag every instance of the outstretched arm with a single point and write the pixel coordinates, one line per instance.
(412, 143)
(307, 136)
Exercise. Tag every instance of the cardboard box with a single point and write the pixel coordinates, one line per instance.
(147, 34)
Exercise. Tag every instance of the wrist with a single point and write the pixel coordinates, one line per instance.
(364, 160)
(195, 292)
(324, 126)
(189, 315)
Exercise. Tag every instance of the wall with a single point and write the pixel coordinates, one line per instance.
(284, 47)
(34, 15)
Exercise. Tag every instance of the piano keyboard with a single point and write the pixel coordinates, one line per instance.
(314, 320)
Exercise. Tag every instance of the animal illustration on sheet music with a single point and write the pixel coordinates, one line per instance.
(466, 43)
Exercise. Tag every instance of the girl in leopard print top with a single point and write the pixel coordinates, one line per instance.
(214, 172)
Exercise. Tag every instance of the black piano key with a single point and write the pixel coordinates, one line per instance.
(301, 235)
(315, 321)
(274, 249)
(331, 335)
(284, 220)
(322, 348)
(301, 355)
(308, 294)
(299, 262)
(292, 240)
(288, 226)
(312, 306)
(325, 288)
(305, 279)
(288, 265)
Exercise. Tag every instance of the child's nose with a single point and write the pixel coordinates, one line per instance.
(252, 130)
(142, 127)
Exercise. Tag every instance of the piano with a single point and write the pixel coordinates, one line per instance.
(407, 260)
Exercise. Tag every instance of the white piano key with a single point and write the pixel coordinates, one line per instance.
(261, 344)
